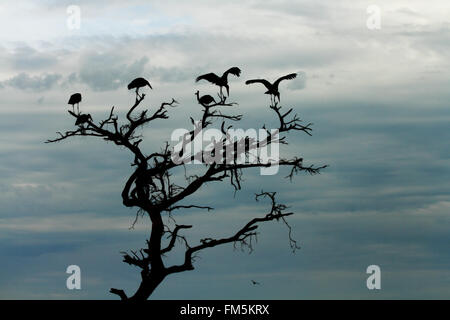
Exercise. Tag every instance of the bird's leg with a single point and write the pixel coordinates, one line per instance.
(78, 108)
(137, 94)
(73, 108)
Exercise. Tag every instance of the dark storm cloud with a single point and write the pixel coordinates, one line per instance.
(360, 204)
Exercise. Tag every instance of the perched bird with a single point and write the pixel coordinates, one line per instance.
(254, 282)
(138, 83)
(272, 88)
(83, 118)
(204, 100)
(220, 81)
(75, 99)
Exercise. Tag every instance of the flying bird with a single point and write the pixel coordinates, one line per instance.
(75, 99)
(137, 84)
(272, 88)
(220, 81)
(254, 282)
(83, 118)
(205, 100)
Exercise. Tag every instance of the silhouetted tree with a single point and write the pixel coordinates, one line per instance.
(150, 187)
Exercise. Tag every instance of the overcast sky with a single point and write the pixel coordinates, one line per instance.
(378, 98)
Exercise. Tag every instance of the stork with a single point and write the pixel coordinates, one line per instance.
(83, 118)
(220, 81)
(75, 99)
(137, 84)
(205, 100)
(272, 88)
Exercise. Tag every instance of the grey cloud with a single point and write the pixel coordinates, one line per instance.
(24, 81)
(70, 80)
(311, 10)
(174, 74)
(28, 58)
(426, 39)
(409, 12)
(103, 72)
(298, 83)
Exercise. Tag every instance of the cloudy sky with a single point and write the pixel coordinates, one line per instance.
(378, 99)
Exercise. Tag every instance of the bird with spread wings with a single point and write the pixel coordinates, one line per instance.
(220, 81)
(272, 88)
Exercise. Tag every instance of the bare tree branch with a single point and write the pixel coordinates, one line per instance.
(241, 236)
(120, 293)
(173, 237)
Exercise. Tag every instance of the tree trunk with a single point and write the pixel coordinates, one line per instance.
(147, 286)
(156, 275)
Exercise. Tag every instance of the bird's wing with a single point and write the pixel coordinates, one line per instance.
(234, 71)
(287, 77)
(266, 83)
(211, 77)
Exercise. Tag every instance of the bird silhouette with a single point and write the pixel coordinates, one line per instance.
(75, 99)
(204, 100)
(220, 81)
(137, 84)
(83, 118)
(272, 88)
(254, 282)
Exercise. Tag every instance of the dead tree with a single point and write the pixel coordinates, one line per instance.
(151, 190)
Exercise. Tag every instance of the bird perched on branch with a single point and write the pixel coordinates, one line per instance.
(75, 99)
(220, 81)
(272, 88)
(205, 100)
(82, 119)
(137, 84)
